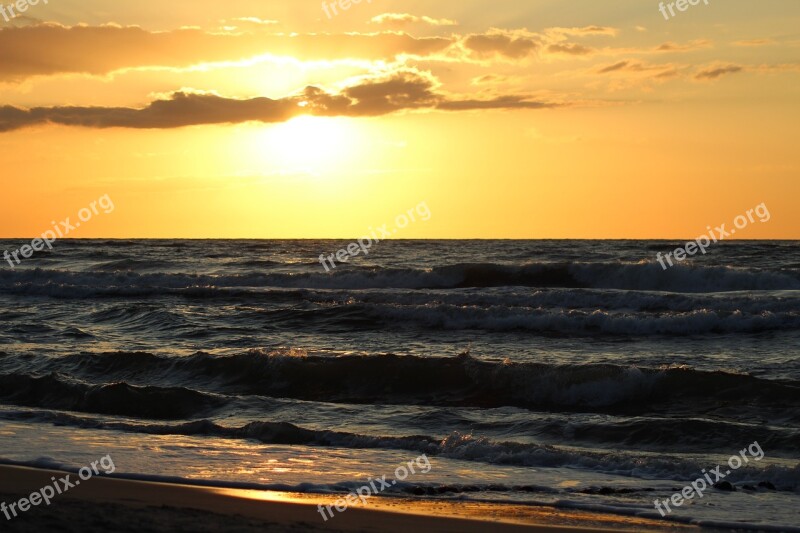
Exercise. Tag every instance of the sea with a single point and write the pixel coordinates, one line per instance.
(575, 374)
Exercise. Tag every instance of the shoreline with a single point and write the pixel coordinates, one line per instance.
(108, 503)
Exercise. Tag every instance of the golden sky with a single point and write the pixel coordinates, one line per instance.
(508, 118)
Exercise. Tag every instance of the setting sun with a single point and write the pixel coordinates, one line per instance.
(305, 144)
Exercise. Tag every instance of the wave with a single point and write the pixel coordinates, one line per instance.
(643, 276)
(662, 433)
(128, 263)
(639, 301)
(140, 316)
(454, 381)
(746, 315)
(54, 391)
(585, 321)
(454, 446)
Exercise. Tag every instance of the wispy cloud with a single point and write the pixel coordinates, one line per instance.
(404, 19)
(755, 42)
(714, 72)
(572, 49)
(688, 47)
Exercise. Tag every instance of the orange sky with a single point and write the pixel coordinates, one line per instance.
(508, 118)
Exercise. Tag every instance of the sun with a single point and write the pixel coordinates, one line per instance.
(316, 145)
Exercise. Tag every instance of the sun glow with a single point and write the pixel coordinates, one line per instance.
(315, 145)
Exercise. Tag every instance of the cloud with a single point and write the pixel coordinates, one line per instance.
(504, 44)
(622, 65)
(771, 69)
(51, 49)
(403, 89)
(249, 23)
(404, 19)
(712, 73)
(755, 42)
(500, 102)
(497, 79)
(691, 45)
(570, 49)
(584, 30)
(634, 74)
(519, 45)
(182, 109)
(255, 20)
(637, 66)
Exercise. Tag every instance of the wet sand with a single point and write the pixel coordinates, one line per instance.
(109, 505)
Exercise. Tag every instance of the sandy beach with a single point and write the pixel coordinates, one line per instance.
(107, 504)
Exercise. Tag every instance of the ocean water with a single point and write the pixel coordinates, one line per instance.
(567, 373)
